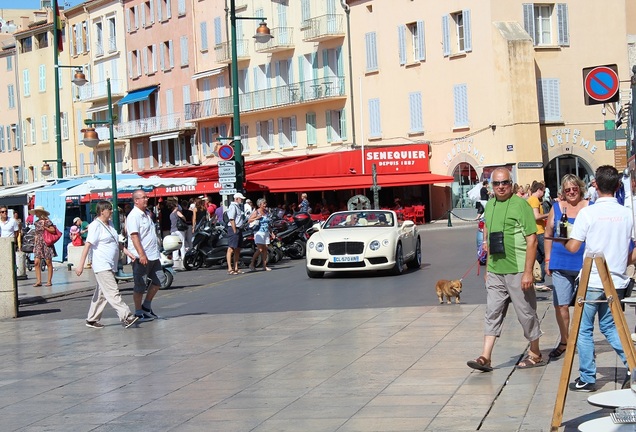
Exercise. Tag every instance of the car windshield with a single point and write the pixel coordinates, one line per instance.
(364, 218)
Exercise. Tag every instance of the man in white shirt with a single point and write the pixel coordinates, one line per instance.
(8, 226)
(143, 244)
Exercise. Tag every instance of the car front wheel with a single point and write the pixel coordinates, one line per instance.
(416, 262)
(398, 268)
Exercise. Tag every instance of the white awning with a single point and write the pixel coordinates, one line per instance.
(97, 109)
(128, 185)
(166, 136)
(206, 74)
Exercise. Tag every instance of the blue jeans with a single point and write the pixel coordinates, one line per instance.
(585, 341)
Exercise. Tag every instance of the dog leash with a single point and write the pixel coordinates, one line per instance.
(469, 269)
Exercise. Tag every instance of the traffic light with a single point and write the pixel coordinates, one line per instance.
(622, 116)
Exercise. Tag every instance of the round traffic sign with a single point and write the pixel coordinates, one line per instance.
(601, 83)
(226, 152)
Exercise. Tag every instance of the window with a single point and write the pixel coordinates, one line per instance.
(152, 54)
(287, 132)
(460, 94)
(204, 36)
(140, 156)
(45, 128)
(32, 130)
(42, 78)
(184, 50)
(539, 23)
(549, 94)
(265, 135)
(181, 7)
(42, 40)
(25, 82)
(456, 33)
(375, 128)
(64, 117)
(167, 56)
(26, 45)
(310, 127)
(1, 138)
(336, 125)
(218, 31)
(112, 35)
(244, 138)
(149, 10)
(371, 51)
(99, 36)
(411, 42)
(9, 63)
(11, 94)
(415, 109)
(11, 134)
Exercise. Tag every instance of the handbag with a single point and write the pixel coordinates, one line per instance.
(181, 224)
(51, 238)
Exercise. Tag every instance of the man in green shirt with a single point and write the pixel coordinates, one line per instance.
(512, 246)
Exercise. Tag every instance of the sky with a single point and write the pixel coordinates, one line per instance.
(32, 4)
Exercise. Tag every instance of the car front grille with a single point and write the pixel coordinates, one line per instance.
(346, 248)
(343, 265)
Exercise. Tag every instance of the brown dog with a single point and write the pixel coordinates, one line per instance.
(449, 289)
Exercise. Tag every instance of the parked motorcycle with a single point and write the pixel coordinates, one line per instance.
(209, 247)
(170, 244)
(291, 238)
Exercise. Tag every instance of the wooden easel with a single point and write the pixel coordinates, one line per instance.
(619, 319)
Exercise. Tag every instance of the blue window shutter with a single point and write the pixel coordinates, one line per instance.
(415, 105)
(461, 105)
(259, 138)
(270, 134)
(310, 126)
(1, 138)
(468, 38)
(204, 35)
(204, 141)
(343, 125)
(81, 162)
(548, 92)
(328, 125)
(528, 20)
(402, 44)
(375, 129)
(314, 64)
(304, 10)
(446, 36)
(421, 40)
(290, 71)
(371, 49)
(218, 31)
(325, 63)
(339, 60)
(280, 133)
(563, 25)
(292, 128)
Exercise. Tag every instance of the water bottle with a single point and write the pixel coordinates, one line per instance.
(563, 224)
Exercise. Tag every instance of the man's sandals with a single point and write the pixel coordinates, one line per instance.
(531, 361)
(558, 351)
(480, 363)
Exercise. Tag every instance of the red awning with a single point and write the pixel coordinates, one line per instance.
(350, 182)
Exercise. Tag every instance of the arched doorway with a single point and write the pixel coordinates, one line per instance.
(465, 177)
(562, 165)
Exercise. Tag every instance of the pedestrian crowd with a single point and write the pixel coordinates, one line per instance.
(522, 226)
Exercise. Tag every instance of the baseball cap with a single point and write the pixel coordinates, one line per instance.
(238, 195)
(76, 219)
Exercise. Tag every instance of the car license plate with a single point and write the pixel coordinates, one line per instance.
(346, 258)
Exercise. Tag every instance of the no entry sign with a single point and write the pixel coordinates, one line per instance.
(226, 152)
(601, 84)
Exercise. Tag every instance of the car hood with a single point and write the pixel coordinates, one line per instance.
(351, 234)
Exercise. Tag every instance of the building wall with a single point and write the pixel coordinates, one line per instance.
(11, 157)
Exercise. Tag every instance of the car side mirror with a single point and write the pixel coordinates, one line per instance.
(408, 224)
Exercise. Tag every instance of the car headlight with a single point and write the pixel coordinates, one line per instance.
(374, 245)
(320, 247)
(385, 242)
(310, 245)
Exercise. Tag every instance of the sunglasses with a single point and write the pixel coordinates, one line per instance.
(3, 211)
(502, 183)
(572, 189)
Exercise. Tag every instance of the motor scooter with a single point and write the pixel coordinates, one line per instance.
(209, 247)
(170, 244)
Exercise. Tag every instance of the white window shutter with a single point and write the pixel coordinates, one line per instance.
(136, 9)
(138, 63)
(402, 44)
(281, 143)
(328, 126)
(144, 53)
(130, 65)
(528, 20)
(170, 54)
(204, 36)
(421, 40)
(184, 50)
(292, 127)
(259, 138)
(563, 25)
(446, 35)
(270, 133)
(154, 58)
(168, 9)
(152, 11)
(468, 40)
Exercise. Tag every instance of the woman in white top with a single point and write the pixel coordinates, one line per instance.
(103, 241)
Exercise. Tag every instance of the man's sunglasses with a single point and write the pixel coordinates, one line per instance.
(502, 183)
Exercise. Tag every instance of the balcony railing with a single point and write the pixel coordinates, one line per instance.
(295, 93)
(99, 49)
(283, 40)
(223, 51)
(94, 91)
(112, 45)
(151, 125)
(323, 27)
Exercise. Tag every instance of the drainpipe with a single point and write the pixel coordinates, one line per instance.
(347, 10)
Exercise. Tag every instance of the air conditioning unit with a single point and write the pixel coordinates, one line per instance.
(194, 160)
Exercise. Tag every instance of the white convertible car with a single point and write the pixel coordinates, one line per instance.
(363, 240)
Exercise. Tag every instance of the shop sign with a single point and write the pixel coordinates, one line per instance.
(566, 136)
(398, 159)
(467, 146)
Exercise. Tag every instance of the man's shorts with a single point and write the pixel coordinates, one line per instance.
(235, 239)
(152, 271)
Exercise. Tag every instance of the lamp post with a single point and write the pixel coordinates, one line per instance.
(262, 36)
(91, 141)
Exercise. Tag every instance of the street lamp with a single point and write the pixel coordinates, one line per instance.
(262, 36)
(91, 139)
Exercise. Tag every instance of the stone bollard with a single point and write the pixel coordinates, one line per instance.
(20, 265)
(8, 281)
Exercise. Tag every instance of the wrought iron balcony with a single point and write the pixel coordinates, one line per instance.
(152, 125)
(324, 27)
(223, 51)
(283, 39)
(271, 98)
(96, 91)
